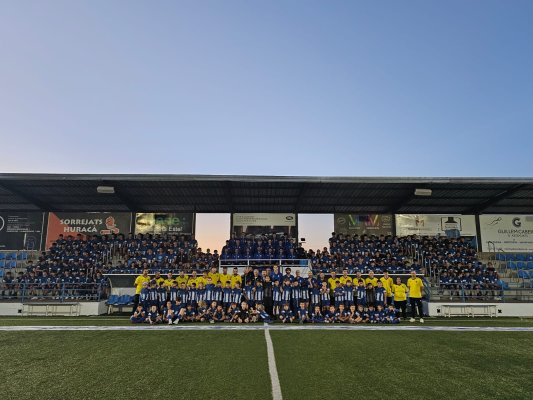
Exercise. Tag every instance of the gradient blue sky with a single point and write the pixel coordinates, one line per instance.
(390, 88)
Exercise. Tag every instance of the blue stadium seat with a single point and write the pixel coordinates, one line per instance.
(503, 284)
(1, 273)
(22, 256)
(11, 264)
(2, 256)
(113, 299)
(520, 257)
(2, 263)
(11, 256)
(511, 265)
(530, 257)
(530, 265)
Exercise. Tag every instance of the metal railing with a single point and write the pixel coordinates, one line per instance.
(61, 292)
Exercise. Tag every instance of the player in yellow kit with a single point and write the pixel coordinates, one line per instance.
(138, 287)
(399, 290)
(224, 276)
(415, 286)
(214, 275)
(371, 279)
(182, 278)
(387, 284)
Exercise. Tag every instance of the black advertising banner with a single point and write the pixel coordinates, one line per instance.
(363, 224)
(21, 231)
(86, 224)
(165, 223)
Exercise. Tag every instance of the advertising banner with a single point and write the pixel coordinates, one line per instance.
(435, 225)
(86, 224)
(512, 233)
(165, 223)
(21, 231)
(363, 224)
(263, 223)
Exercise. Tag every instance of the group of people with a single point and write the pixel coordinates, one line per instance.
(271, 295)
(264, 247)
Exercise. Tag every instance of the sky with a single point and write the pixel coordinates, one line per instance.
(313, 88)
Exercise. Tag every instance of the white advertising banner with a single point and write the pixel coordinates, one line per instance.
(450, 225)
(507, 232)
(264, 219)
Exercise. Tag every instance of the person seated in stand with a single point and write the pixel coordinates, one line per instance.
(316, 315)
(303, 314)
(286, 315)
(331, 316)
(344, 314)
(138, 316)
(153, 317)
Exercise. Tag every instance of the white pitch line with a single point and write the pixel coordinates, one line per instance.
(183, 327)
(274, 379)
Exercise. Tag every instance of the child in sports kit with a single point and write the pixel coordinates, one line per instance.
(211, 310)
(259, 293)
(316, 315)
(162, 295)
(232, 315)
(178, 311)
(168, 313)
(276, 297)
(303, 314)
(380, 293)
(219, 315)
(218, 293)
(295, 296)
(210, 291)
(192, 297)
(201, 313)
(200, 293)
(227, 295)
(190, 313)
(361, 293)
(362, 314)
(144, 297)
(315, 296)
(153, 298)
(348, 295)
(286, 314)
(324, 297)
(331, 316)
(173, 292)
(183, 293)
(236, 293)
(344, 314)
(263, 316)
(372, 314)
(304, 292)
(248, 291)
(353, 314)
(380, 314)
(391, 315)
(153, 316)
(338, 293)
(286, 293)
(138, 316)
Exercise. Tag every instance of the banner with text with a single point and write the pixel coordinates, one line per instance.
(165, 223)
(435, 225)
(86, 224)
(507, 232)
(21, 231)
(363, 224)
(262, 223)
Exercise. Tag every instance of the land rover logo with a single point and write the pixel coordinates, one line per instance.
(289, 217)
(341, 221)
(2, 223)
(516, 222)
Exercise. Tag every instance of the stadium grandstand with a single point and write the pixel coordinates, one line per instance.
(81, 240)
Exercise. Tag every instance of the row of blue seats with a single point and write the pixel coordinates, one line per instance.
(517, 265)
(116, 300)
(8, 264)
(21, 256)
(514, 257)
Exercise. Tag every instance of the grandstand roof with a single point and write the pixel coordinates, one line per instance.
(232, 193)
